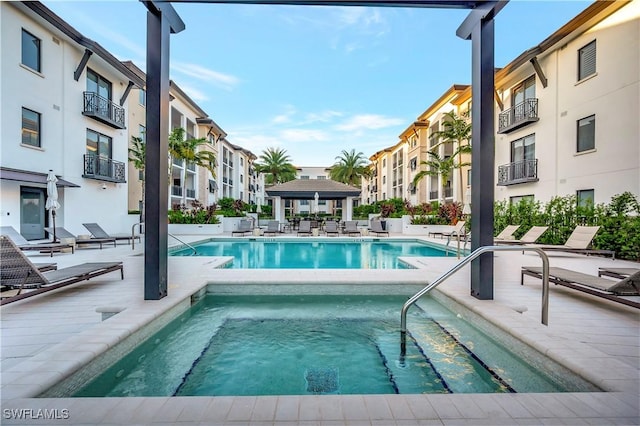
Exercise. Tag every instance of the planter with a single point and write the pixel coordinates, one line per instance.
(193, 229)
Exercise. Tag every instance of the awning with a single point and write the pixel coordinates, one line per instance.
(31, 177)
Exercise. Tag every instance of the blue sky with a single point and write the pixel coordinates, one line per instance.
(315, 80)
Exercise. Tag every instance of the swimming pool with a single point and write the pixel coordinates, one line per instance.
(314, 254)
(317, 344)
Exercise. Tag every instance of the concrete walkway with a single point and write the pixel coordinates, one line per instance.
(48, 336)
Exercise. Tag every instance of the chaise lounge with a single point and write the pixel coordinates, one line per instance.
(18, 273)
(63, 233)
(273, 227)
(578, 242)
(97, 232)
(244, 227)
(617, 291)
(23, 244)
(376, 228)
(619, 273)
(506, 233)
(530, 237)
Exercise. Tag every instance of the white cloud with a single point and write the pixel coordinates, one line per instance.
(224, 81)
(195, 94)
(322, 117)
(303, 135)
(368, 121)
(286, 116)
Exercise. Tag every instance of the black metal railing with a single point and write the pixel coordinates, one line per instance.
(103, 110)
(176, 191)
(102, 168)
(523, 113)
(191, 193)
(433, 195)
(518, 172)
(448, 192)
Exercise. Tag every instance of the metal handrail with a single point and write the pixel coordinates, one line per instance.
(472, 256)
(186, 244)
(133, 234)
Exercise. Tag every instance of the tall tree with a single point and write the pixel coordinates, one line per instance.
(138, 155)
(457, 131)
(439, 166)
(276, 166)
(190, 151)
(349, 168)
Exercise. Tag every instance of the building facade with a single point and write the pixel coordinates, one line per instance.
(64, 108)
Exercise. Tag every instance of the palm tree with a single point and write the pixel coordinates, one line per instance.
(276, 165)
(439, 166)
(138, 155)
(188, 150)
(457, 130)
(349, 168)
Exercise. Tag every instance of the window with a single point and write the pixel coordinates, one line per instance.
(304, 177)
(524, 90)
(176, 119)
(142, 133)
(523, 149)
(98, 144)
(30, 127)
(191, 129)
(98, 84)
(384, 162)
(322, 202)
(304, 202)
(585, 197)
(321, 178)
(433, 134)
(384, 180)
(142, 97)
(587, 61)
(30, 51)
(586, 134)
(516, 200)
(413, 163)
(241, 178)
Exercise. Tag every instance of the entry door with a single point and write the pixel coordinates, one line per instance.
(32, 213)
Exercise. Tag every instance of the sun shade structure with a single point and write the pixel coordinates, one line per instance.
(478, 26)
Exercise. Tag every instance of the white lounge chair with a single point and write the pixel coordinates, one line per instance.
(578, 242)
(507, 233)
(531, 236)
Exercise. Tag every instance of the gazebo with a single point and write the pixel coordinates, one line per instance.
(306, 189)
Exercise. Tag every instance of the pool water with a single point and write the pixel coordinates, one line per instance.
(298, 345)
(313, 254)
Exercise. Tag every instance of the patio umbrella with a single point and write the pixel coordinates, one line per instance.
(52, 199)
(466, 209)
(315, 205)
(259, 206)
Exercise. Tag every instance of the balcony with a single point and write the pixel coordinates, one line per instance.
(101, 168)
(103, 110)
(176, 191)
(519, 116)
(518, 172)
(191, 193)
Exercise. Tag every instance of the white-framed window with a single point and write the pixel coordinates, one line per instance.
(586, 134)
(523, 149)
(142, 133)
(31, 128)
(516, 199)
(585, 197)
(587, 61)
(30, 50)
(142, 97)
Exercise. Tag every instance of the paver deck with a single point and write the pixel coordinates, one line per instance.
(45, 337)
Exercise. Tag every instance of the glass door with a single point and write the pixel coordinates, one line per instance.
(32, 213)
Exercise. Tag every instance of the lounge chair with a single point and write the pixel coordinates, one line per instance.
(351, 227)
(506, 233)
(376, 228)
(243, 227)
(620, 273)
(597, 286)
(458, 230)
(578, 242)
(305, 227)
(63, 233)
(273, 227)
(331, 228)
(97, 232)
(23, 244)
(18, 274)
(530, 237)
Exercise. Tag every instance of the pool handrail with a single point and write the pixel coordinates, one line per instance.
(186, 244)
(477, 252)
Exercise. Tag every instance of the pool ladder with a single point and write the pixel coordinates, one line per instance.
(171, 235)
(477, 252)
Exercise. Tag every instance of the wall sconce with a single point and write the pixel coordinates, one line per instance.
(104, 186)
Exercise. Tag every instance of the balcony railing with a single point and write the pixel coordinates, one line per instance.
(520, 115)
(433, 195)
(176, 191)
(191, 193)
(101, 168)
(518, 172)
(448, 192)
(103, 110)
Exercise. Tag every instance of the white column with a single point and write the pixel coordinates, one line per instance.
(347, 209)
(277, 208)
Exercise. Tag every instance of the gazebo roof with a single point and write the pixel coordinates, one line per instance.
(305, 189)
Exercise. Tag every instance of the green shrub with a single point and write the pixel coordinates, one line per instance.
(198, 214)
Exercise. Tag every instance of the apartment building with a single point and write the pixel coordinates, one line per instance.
(566, 120)
(309, 206)
(64, 108)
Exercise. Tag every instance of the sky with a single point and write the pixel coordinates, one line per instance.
(315, 81)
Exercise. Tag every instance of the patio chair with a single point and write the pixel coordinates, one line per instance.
(620, 273)
(578, 242)
(458, 230)
(18, 274)
(351, 227)
(273, 227)
(531, 236)
(617, 291)
(304, 227)
(331, 227)
(97, 232)
(63, 233)
(243, 227)
(376, 228)
(23, 244)
(506, 233)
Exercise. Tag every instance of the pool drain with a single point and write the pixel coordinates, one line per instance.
(321, 380)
